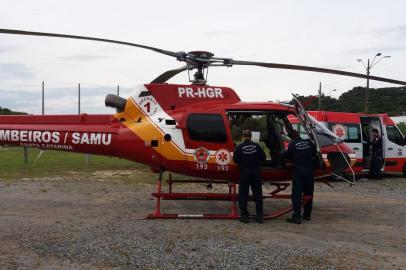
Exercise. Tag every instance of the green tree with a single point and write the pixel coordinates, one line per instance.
(6, 111)
(352, 101)
(390, 100)
(402, 127)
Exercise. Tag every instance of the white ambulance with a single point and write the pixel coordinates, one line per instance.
(356, 130)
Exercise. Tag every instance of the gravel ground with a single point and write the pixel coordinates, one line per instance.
(73, 223)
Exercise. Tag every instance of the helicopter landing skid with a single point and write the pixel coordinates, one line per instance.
(231, 196)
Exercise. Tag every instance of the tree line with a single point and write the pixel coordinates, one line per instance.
(390, 100)
(5, 111)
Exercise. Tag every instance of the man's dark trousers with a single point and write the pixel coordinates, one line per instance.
(250, 176)
(303, 182)
(375, 168)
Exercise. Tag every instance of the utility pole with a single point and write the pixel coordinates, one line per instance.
(88, 157)
(367, 88)
(79, 98)
(25, 148)
(118, 90)
(43, 98)
(320, 96)
(368, 70)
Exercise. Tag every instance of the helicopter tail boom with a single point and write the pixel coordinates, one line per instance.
(93, 134)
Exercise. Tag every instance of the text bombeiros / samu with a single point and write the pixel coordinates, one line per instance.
(55, 137)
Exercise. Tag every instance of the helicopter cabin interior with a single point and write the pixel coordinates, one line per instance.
(271, 129)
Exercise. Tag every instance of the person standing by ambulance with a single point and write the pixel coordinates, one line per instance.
(377, 156)
(249, 155)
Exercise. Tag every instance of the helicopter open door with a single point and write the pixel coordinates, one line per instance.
(308, 126)
(322, 137)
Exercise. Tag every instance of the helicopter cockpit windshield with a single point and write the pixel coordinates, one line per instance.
(324, 136)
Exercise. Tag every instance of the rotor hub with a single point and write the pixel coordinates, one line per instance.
(199, 60)
(201, 54)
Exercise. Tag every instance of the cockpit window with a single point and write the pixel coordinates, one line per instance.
(206, 127)
(300, 129)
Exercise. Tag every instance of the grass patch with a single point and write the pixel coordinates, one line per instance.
(53, 163)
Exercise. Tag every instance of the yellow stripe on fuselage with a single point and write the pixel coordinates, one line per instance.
(144, 128)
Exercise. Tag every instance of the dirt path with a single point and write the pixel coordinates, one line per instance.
(71, 223)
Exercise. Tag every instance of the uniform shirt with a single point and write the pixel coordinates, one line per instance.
(377, 147)
(301, 153)
(249, 154)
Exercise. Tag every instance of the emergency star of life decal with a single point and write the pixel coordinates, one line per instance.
(339, 131)
(223, 157)
(201, 155)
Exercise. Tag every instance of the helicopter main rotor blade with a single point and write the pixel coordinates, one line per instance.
(191, 58)
(30, 33)
(313, 69)
(164, 77)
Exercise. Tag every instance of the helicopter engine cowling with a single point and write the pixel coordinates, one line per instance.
(116, 102)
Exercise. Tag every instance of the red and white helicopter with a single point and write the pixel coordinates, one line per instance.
(187, 129)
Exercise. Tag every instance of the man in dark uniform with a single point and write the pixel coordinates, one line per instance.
(301, 152)
(377, 156)
(248, 155)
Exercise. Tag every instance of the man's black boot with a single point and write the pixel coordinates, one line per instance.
(294, 220)
(244, 219)
(259, 219)
(308, 218)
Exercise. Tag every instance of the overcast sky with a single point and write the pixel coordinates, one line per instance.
(330, 34)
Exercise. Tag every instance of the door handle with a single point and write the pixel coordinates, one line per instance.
(355, 148)
(390, 148)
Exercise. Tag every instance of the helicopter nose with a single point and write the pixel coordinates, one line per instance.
(339, 157)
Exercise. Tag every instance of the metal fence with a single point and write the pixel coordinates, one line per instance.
(88, 157)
